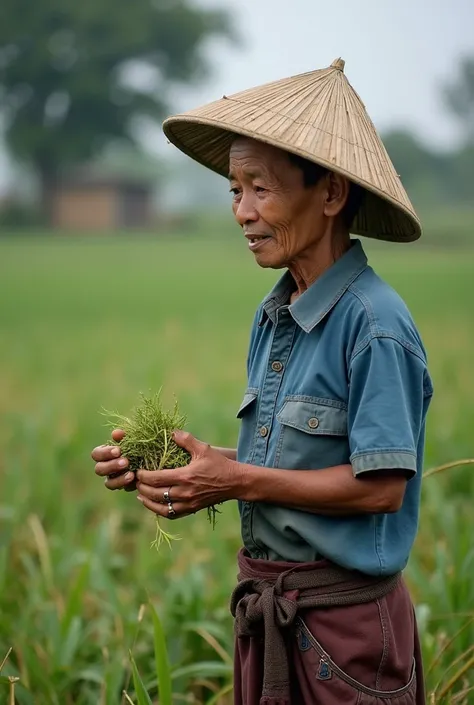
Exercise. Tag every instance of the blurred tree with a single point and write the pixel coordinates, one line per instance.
(459, 98)
(422, 170)
(462, 174)
(76, 75)
(408, 154)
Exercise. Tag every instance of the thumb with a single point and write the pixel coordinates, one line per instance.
(118, 434)
(188, 442)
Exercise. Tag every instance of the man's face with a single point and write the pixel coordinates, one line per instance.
(280, 217)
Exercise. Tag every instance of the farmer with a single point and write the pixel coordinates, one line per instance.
(329, 460)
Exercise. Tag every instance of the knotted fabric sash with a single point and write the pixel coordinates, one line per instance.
(266, 602)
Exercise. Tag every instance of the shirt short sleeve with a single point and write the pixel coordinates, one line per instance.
(388, 384)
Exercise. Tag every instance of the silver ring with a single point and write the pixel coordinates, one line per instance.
(166, 496)
(171, 511)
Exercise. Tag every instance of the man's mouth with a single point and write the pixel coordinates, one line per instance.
(257, 238)
(257, 241)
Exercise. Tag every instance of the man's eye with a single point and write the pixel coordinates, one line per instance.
(260, 189)
(235, 191)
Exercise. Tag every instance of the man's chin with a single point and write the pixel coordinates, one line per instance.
(269, 262)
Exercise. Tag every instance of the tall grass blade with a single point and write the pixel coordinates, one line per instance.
(212, 641)
(141, 613)
(447, 466)
(74, 602)
(163, 669)
(204, 669)
(42, 546)
(6, 658)
(449, 643)
(461, 696)
(140, 690)
(457, 676)
(214, 700)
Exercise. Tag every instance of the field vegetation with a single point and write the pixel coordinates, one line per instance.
(90, 322)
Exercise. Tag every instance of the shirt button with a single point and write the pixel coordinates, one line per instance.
(263, 431)
(277, 366)
(313, 422)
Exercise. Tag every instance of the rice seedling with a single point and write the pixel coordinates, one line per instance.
(148, 444)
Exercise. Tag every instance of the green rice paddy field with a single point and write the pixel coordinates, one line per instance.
(87, 323)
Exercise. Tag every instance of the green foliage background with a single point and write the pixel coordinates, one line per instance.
(88, 323)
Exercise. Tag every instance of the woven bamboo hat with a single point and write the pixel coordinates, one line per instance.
(319, 116)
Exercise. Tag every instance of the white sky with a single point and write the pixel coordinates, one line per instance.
(397, 53)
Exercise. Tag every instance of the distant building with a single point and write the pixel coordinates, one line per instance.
(88, 201)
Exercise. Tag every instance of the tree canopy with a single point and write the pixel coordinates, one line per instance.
(459, 98)
(76, 75)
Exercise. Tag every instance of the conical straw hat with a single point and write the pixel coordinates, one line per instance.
(319, 116)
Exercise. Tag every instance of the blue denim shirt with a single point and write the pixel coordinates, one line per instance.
(340, 376)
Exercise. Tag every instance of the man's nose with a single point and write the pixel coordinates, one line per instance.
(245, 211)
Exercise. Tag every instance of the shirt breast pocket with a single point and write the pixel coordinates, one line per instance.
(247, 414)
(312, 433)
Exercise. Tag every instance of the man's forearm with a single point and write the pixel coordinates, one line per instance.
(331, 491)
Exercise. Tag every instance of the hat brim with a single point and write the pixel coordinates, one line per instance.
(208, 142)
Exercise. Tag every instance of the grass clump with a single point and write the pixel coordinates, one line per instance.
(148, 444)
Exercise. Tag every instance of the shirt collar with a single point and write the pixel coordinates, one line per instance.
(316, 302)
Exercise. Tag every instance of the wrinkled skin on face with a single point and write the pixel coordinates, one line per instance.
(287, 224)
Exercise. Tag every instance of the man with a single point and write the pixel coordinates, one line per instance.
(328, 466)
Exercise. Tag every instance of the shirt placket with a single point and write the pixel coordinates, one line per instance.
(279, 352)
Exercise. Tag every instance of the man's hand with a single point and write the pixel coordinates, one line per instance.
(208, 479)
(111, 465)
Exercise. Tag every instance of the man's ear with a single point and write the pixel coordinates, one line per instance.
(337, 193)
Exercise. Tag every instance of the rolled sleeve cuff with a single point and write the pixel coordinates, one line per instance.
(383, 460)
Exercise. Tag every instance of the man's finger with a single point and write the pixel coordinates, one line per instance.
(118, 434)
(111, 467)
(119, 483)
(156, 493)
(159, 478)
(182, 510)
(187, 441)
(104, 453)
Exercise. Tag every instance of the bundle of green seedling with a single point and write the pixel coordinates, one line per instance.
(148, 444)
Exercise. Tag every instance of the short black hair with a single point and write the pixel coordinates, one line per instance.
(312, 173)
